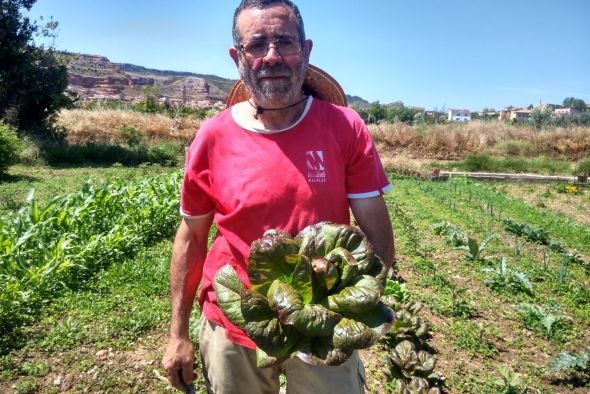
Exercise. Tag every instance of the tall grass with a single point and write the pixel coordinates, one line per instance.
(455, 141)
(105, 125)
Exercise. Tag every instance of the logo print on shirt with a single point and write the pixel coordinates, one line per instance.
(316, 171)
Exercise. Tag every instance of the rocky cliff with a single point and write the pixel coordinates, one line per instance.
(95, 77)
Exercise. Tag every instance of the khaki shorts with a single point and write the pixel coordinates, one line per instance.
(229, 368)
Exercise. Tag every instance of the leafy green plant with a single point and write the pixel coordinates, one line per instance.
(514, 227)
(506, 281)
(548, 321)
(510, 382)
(408, 325)
(46, 249)
(455, 236)
(475, 250)
(531, 234)
(583, 167)
(316, 296)
(473, 337)
(10, 146)
(572, 365)
(130, 136)
(396, 289)
(458, 307)
(412, 370)
(416, 385)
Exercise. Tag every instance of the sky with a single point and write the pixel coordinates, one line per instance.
(434, 54)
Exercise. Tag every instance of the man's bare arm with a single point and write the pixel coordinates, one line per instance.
(186, 269)
(372, 217)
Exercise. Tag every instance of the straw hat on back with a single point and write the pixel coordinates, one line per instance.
(317, 83)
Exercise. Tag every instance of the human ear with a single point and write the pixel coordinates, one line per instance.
(307, 45)
(233, 53)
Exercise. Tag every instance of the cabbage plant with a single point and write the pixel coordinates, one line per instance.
(316, 296)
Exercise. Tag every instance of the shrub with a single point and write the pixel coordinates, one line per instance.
(130, 136)
(583, 167)
(166, 153)
(10, 146)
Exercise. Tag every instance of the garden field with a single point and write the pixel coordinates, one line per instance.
(492, 280)
(498, 313)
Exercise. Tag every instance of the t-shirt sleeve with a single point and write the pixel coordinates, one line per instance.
(195, 193)
(365, 176)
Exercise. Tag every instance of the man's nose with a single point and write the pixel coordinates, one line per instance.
(272, 56)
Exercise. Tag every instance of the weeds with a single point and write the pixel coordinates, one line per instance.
(473, 338)
(547, 321)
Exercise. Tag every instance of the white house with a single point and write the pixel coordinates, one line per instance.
(459, 115)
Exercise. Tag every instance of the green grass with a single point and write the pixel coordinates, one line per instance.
(115, 308)
(482, 162)
(49, 182)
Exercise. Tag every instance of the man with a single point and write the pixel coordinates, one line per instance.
(277, 160)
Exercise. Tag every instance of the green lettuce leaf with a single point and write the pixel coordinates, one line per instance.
(268, 261)
(228, 287)
(325, 278)
(353, 300)
(301, 280)
(265, 329)
(352, 334)
(315, 321)
(321, 238)
(321, 351)
(285, 301)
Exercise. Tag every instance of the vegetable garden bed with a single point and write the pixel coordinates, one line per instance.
(499, 316)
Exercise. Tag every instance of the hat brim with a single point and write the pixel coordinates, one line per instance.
(317, 83)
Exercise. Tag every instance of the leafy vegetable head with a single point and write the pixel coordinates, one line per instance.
(316, 296)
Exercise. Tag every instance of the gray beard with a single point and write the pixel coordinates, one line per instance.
(277, 93)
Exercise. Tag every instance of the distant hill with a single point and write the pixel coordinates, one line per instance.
(223, 83)
(362, 103)
(96, 77)
(358, 101)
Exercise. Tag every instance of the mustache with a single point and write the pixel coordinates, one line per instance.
(273, 71)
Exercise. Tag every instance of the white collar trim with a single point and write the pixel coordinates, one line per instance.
(244, 124)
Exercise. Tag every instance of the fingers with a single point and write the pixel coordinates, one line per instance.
(174, 379)
(178, 363)
(187, 373)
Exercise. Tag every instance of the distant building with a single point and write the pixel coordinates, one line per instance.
(515, 114)
(520, 114)
(459, 115)
(566, 111)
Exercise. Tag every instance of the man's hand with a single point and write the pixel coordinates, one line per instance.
(178, 361)
(186, 268)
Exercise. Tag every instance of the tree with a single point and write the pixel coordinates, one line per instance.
(572, 102)
(33, 81)
(541, 117)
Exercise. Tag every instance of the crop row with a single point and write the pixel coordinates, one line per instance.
(47, 250)
(465, 212)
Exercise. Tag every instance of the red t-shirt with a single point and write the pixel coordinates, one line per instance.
(253, 180)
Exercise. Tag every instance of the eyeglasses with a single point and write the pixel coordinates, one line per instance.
(258, 49)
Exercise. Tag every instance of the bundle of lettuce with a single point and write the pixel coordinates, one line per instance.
(315, 296)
